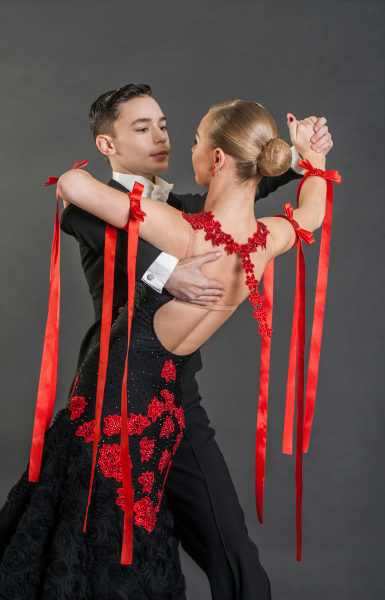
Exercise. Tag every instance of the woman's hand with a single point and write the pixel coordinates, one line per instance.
(301, 133)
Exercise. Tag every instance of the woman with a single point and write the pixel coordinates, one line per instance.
(230, 156)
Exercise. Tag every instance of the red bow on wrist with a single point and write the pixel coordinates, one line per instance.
(329, 175)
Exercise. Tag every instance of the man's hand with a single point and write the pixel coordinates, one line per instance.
(321, 140)
(187, 283)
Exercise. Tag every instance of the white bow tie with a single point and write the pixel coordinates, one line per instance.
(161, 193)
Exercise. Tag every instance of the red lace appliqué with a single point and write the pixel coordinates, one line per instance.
(169, 398)
(146, 448)
(179, 414)
(167, 427)
(160, 494)
(145, 514)
(87, 431)
(178, 441)
(147, 481)
(205, 220)
(155, 409)
(169, 370)
(164, 459)
(136, 424)
(121, 501)
(109, 461)
(113, 424)
(77, 402)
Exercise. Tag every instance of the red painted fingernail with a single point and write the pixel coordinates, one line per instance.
(291, 119)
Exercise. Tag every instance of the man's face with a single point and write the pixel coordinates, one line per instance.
(140, 145)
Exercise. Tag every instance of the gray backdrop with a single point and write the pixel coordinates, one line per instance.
(323, 58)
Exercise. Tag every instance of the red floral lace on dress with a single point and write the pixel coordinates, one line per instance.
(205, 220)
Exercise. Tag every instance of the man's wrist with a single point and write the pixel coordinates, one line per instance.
(159, 272)
(295, 156)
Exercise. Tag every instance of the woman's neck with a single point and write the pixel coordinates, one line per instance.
(231, 203)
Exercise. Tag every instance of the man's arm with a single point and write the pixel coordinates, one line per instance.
(91, 230)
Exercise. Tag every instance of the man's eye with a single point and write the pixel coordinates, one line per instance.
(163, 127)
(195, 142)
(143, 129)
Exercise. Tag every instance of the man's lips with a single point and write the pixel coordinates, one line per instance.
(161, 153)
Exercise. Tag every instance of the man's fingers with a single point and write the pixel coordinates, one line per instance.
(319, 124)
(204, 258)
(313, 119)
(320, 133)
(207, 299)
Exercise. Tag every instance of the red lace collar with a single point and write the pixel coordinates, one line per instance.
(205, 220)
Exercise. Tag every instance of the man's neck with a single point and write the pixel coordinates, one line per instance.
(149, 176)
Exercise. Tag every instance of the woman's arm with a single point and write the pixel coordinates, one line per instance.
(113, 206)
(312, 199)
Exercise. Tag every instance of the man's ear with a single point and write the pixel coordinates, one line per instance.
(105, 144)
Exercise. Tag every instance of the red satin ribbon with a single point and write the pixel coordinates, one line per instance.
(48, 373)
(260, 447)
(136, 215)
(315, 347)
(297, 344)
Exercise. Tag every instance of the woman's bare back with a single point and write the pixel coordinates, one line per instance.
(183, 327)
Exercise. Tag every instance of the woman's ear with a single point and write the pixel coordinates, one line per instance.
(219, 158)
(105, 145)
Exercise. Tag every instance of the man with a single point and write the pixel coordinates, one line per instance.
(129, 129)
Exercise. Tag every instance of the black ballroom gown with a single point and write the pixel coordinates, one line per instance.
(44, 553)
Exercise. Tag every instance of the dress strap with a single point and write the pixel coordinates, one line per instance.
(212, 307)
(191, 244)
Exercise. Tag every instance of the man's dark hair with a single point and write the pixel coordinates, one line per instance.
(106, 109)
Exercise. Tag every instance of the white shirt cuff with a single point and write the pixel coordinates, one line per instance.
(294, 162)
(159, 272)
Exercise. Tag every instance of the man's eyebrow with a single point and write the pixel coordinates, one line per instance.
(144, 120)
(147, 120)
(197, 134)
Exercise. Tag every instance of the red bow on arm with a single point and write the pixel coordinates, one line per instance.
(48, 373)
(136, 215)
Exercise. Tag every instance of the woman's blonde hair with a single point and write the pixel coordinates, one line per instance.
(247, 132)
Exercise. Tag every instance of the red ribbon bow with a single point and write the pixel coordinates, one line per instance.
(77, 165)
(306, 236)
(333, 176)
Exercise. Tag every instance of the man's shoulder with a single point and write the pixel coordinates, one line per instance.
(190, 203)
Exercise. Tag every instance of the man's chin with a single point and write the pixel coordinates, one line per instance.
(161, 167)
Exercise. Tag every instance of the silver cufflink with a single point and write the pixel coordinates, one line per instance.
(150, 277)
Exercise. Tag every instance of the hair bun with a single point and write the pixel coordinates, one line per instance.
(274, 158)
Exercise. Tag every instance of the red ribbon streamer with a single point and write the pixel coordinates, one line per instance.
(297, 344)
(108, 293)
(260, 448)
(136, 215)
(315, 347)
(48, 373)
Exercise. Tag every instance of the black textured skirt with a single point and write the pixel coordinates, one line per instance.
(44, 553)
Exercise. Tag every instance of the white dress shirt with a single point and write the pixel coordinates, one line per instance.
(159, 272)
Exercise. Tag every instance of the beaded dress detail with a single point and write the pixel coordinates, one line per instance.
(44, 553)
(205, 220)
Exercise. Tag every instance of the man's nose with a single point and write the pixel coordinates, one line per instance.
(161, 136)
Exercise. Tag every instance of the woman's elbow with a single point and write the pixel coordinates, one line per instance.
(70, 184)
